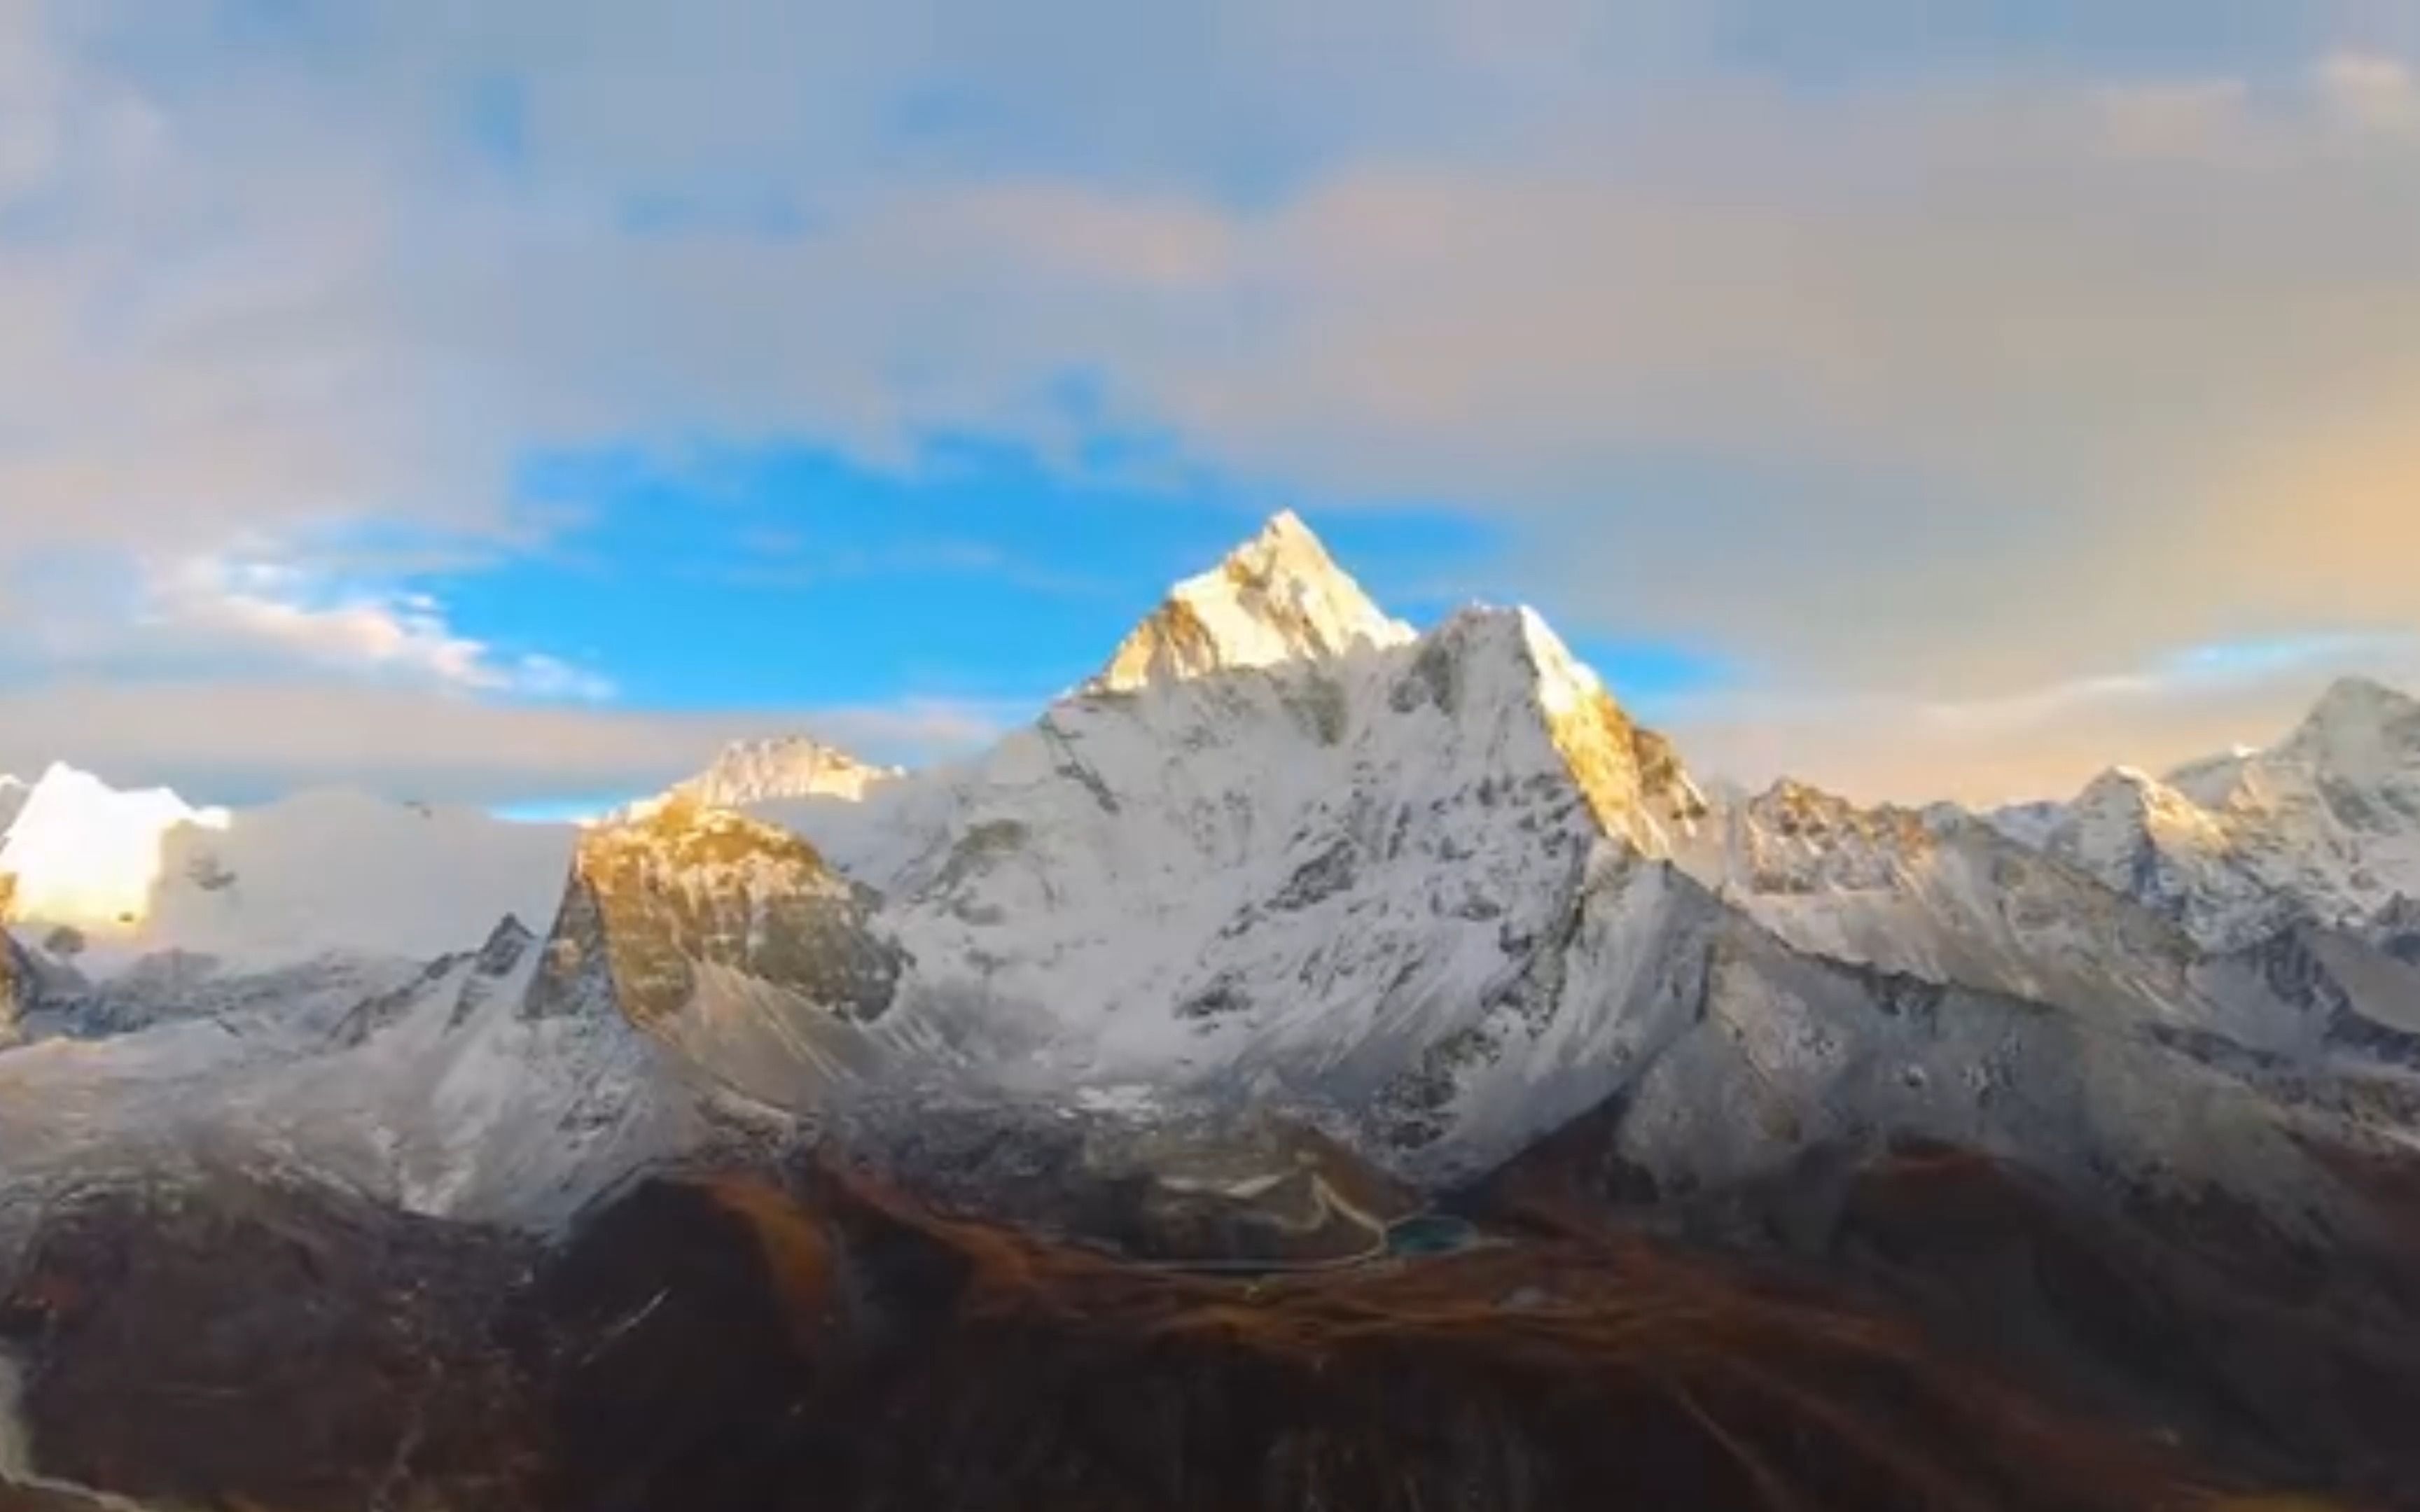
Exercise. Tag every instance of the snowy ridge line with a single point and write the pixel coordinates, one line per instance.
(1434, 892)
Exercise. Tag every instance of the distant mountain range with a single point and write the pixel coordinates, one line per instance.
(1292, 924)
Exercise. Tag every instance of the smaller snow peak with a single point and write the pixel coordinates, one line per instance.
(2125, 808)
(1279, 598)
(2362, 698)
(504, 947)
(782, 766)
(2211, 779)
(2360, 729)
(2126, 789)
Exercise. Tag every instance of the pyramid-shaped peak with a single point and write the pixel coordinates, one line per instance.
(2124, 788)
(781, 767)
(1283, 550)
(1278, 597)
(2124, 808)
(2358, 724)
(2361, 700)
(1287, 525)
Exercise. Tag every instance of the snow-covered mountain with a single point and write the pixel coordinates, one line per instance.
(747, 772)
(1433, 891)
(1440, 892)
(2322, 827)
(1290, 899)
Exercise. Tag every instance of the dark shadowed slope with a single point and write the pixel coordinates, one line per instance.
(726, 1345)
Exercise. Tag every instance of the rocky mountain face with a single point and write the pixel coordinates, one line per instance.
(1290, 930)
(727, 938)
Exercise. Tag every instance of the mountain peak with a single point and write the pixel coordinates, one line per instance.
(1630, 776)
(781, 766)
(2131, 790)
(1278, 598)
(2360, 727)
(2360, 701)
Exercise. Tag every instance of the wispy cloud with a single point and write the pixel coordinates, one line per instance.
(245, 610)
(254, 614)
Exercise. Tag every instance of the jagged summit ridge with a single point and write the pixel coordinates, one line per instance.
(777, 767)
(1278, 597)
(2321, 828)
(2360, 730)
(2361, 700)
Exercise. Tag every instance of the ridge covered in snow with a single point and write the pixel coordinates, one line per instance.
(2322, 827)
(1434, 892)
(786, 767)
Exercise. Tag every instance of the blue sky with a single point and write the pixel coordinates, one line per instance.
(796, 578)
(1925, 399)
